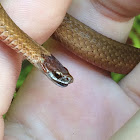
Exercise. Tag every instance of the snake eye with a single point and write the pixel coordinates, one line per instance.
(57, 74)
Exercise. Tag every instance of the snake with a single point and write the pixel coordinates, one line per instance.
(78, 38)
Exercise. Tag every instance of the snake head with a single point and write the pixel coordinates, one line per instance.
(55, 71)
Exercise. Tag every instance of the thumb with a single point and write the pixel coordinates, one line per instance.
(118, 10)
(108, 17)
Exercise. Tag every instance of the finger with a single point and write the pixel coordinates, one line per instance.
(9, 71)
(39, 19)
(117, 9)
(130, 131)
(86, 12)
(1, 128)
(10, 64)
(130, 84)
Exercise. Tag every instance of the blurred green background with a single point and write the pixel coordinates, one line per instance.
(134, 39)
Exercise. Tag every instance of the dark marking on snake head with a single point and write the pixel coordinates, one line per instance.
(56, 71)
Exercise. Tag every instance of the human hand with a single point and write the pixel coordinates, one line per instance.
(94, 106)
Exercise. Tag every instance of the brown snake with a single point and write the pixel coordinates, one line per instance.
(78, 38)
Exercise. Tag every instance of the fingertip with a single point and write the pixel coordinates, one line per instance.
(9, 71)
(130, 84)
(38, 19)
(117, 10)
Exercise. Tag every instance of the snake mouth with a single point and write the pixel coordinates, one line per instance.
(61, 84)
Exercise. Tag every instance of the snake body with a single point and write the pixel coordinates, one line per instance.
(79, 39)
(96, 48)
(15, 38)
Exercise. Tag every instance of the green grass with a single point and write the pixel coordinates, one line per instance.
(26, 68)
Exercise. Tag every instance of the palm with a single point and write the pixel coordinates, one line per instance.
(92, 107)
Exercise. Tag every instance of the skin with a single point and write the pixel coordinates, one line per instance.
(93, 107)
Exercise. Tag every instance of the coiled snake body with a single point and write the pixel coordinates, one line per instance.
(78, 38)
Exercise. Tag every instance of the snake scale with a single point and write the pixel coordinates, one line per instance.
(80, 39)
